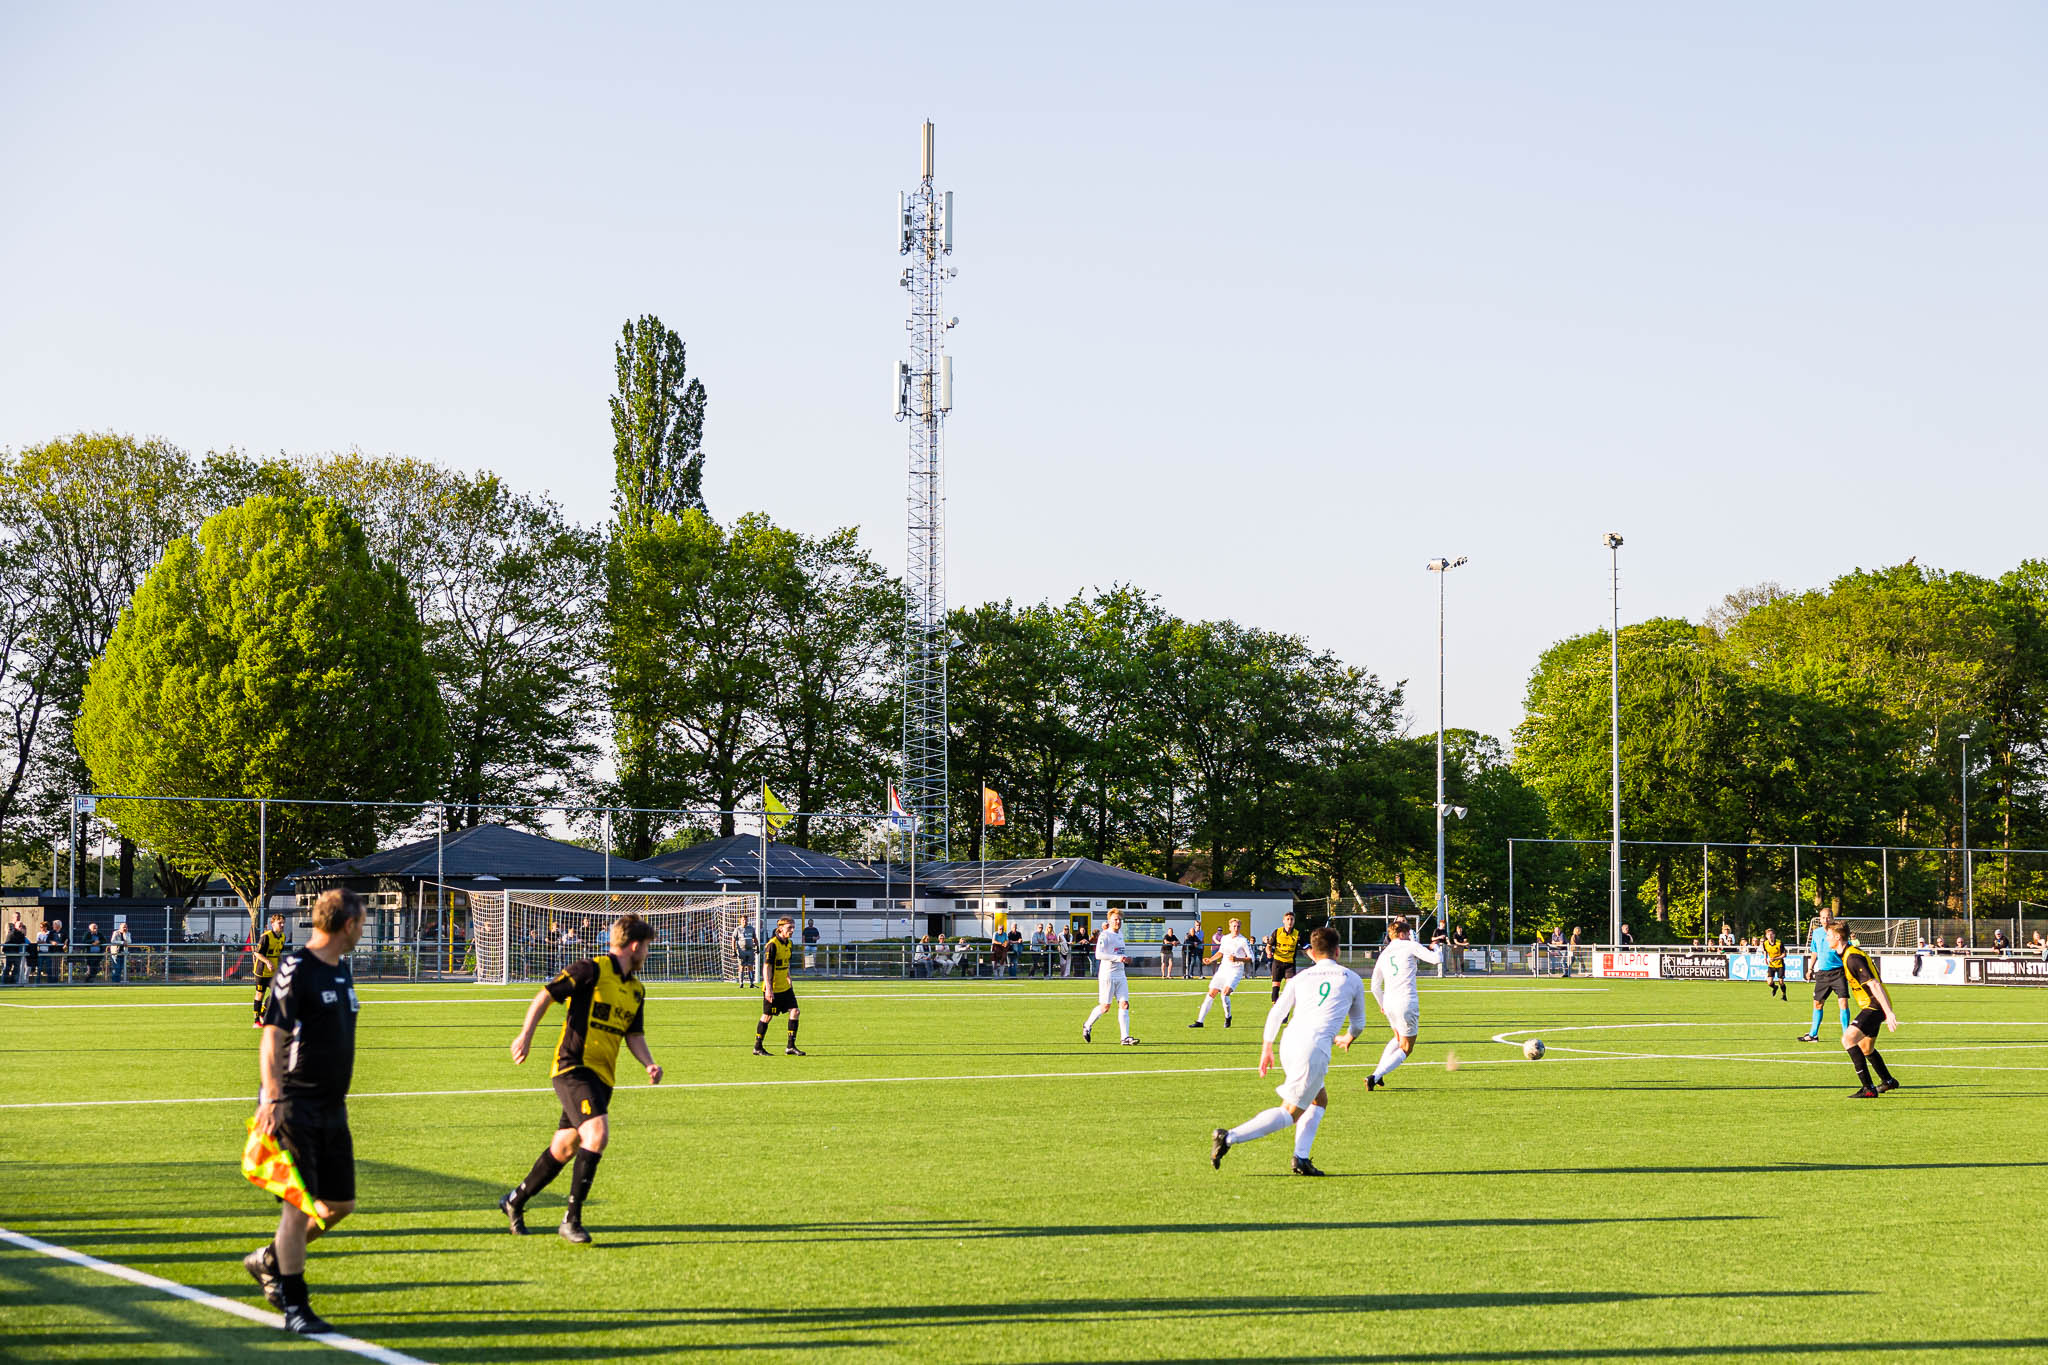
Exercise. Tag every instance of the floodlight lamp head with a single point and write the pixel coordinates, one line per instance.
(1611, 540)
(1459, 560)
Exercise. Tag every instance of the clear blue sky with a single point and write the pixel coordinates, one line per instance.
(1261, 308)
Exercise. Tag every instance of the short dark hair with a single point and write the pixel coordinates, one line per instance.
(335, 908)
(629, 929)
(1324, 940)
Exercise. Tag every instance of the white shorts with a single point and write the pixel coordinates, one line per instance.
(1112, 985)
(1226, 978)
(1305, 1075)
(1404, 1016)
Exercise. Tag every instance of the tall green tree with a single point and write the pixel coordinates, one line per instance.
(657, 426)
(267, 655)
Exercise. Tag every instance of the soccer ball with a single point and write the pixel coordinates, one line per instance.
(1533, 1049)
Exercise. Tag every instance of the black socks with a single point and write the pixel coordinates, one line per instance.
(579, 1183)
(1862, 1066)
(544, 1170)
(293, 1287)
(1883, 1072)
(761, 1031)
(792, 1030)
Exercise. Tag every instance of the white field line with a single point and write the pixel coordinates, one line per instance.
(1509, 1038)
(261, 1316)
(747, 998)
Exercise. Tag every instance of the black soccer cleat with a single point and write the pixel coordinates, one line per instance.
(1226, 1019)
(1219, 1143)
(1809, 1038)
(1196, 1024)
(760, 1051)
(262, 1267)
(794, 1051)
(305, 1321)
(1373, 1083)
(1866, 1093)
(515, 1214)
(1087, 1033)
(1883, 1086)
(1303, 1166)
(572, 1231)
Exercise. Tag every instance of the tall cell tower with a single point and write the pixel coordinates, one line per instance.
(924, 395)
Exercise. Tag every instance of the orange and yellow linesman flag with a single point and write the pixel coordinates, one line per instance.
(269, 1167)
(991, 807)
(773, 811)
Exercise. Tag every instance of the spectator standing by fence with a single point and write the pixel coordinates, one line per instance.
(810, 945)
(17, 949)
(91, 949)
(53, 955)
(1167, 947)
(921, 957)
(1192, 960)
(2000, 944)
(117, 953)
(999, 955)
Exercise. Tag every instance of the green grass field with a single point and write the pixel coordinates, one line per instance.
(953, 1175)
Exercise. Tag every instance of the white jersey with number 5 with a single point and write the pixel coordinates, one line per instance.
(1393, 975)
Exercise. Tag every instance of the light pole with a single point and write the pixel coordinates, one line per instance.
(1613, 544)
(1969, 881)
(1442, 569)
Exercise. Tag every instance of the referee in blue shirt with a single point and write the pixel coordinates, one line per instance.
(1827, 977)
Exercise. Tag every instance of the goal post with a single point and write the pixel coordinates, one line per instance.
(532, 935)
(1872, 931)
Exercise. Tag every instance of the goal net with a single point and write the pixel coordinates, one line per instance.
(532, 935)
(1873, 932)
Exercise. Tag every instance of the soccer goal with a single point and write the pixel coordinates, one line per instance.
(532, 935)
(1873, 932)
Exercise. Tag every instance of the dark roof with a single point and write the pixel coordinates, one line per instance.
(739, 859)
(1049, 876)
(486, 851)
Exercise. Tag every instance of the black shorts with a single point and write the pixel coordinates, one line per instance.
(1868, 1022)
(1281, 970)
(782, 1002)
(1829, 981)
(584, 1096)
(317, 1136)
(1776, 973)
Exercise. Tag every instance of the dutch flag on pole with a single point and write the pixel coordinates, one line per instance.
(899, 817)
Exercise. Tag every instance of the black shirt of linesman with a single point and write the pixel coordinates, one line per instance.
(315, 1005)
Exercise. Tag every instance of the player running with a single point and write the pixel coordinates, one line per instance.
(1873, 1011)
(1827, 975)
(1111, 957)
(607, 1008)
(1283, 943)
(1232, 955)
(269, 951)
(1325, 999)
(1395, 991)
(778, 996)
(1774, 964)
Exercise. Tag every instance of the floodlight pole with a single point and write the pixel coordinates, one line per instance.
(1613, 544)
(1969, 882)
(1441, 567)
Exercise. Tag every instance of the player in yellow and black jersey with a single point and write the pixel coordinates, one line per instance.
(268, 952)
(607, 1011)
(777, 995)
(1774, 964)
(1873, 1012)
(1285, 945)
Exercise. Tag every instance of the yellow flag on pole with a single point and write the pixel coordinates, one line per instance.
(773, 811)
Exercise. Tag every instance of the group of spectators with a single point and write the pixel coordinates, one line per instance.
(51, 955)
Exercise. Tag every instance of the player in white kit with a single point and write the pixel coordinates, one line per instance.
(1328, 1005)
(1111, 957)
(1232, 955)
(1394, 990)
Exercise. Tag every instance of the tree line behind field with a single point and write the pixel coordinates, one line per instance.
(227, 624)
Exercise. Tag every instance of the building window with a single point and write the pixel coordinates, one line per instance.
(1079, 905)
(1171, 905)
(963, 905)
(781, 903)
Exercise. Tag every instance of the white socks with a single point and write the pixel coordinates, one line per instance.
(1305, 1130)
(1264, 1125)
(1123, 1020)
(1095, 1014)
(1203, 1013)
(1226, 1007)
(1390, 1059)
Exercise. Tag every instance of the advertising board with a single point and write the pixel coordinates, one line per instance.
(1920, 969)
(2007, 971)
(1694, 966)
(1641, 966)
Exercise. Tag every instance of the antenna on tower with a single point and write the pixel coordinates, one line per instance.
(923, 397)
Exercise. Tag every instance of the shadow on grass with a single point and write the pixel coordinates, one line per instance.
(1799, 1350)
(110, 1314)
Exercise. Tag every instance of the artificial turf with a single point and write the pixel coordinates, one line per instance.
(952, 1174)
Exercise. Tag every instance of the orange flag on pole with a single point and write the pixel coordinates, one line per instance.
(991, 807)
